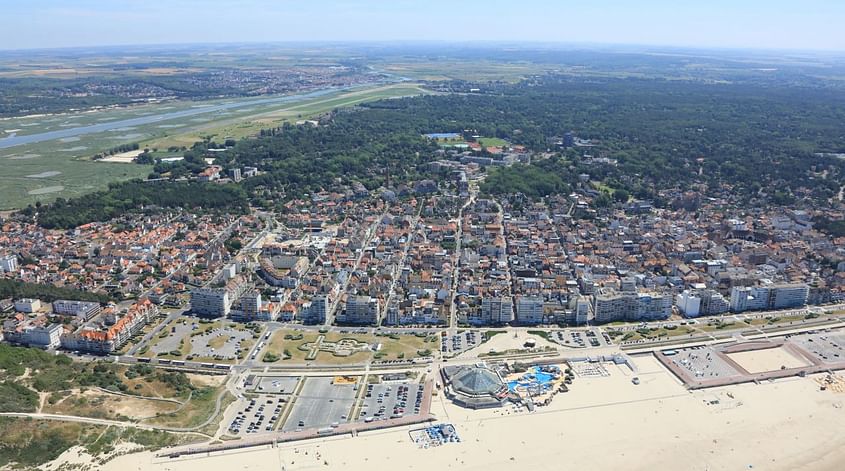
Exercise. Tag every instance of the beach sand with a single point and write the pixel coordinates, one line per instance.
(601, 424)
(769, 359)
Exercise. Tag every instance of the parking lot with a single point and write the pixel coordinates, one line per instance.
(597, 338)
(385, 401)
(177, 331)
(703, 363)
(190, 337)
(276, 384)
(826, 347)
(228, 341)
(592, 337)
(258, 415)
(459, 342)
(320, 404)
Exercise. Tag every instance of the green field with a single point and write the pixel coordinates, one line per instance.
(395, 347)
(63, 168)
(476, 70)
(266, 117)
(492, 142)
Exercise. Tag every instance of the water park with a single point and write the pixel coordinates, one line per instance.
(537, 385)
(481, 386)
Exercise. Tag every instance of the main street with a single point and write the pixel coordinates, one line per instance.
(456, 258)
(371, 232)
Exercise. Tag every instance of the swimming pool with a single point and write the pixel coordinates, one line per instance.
(532, 378)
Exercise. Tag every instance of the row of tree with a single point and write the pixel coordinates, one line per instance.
(49, 293)
(135, 196)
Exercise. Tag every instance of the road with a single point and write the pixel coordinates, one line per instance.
(74, 418)
(157, 330)
(456, 268)
(401, 263)
(371, 232)
(176, 314)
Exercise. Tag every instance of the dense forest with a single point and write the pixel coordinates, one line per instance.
(131, 196)
(662, 133)
(761, 142)
(49, 293)
(543, 178)
(834, 228)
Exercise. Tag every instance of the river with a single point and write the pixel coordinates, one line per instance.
(13, 140)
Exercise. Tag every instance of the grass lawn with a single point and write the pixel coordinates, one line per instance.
(278, 344)
(39, 173)
(218, 342)
(392, 348)
(406, 346)
(273, 116)
(655, 333)
(602, 187)
(137, 337)
(212, 427)
(716, 326)
(490, 334)
(477, 70)
(762, 322)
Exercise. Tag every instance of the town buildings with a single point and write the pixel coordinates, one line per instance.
(38, 332)
(27, 305)
(612, 306)
(529, 310)
(360, 310)
(701, 302)
(8, 264)
(768, 296)
(217, 302)
(210, 302)
(81, 310)
(111, 330)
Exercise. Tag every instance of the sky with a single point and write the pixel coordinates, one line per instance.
(754, 24)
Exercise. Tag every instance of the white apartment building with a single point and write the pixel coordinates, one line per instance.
(315, 313)
(702, 302)
(770, 296)
(27, 305)
(360, 310)
(789, 296)
(8, 264)
(612, 306)
(496, 310)
(529, 310)
(80, 309)
(210, 302)
(34, 335)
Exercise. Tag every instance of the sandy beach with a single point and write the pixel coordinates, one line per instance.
(601, 424)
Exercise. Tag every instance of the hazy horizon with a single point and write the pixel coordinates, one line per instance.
(720, 24)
